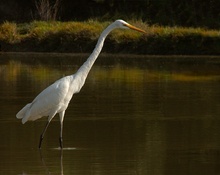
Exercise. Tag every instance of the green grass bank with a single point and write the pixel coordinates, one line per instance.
(78, 37)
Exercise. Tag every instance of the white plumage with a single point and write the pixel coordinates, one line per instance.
(55, 98)
(50, 101)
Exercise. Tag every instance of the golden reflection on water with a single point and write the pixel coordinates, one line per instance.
(13, 69)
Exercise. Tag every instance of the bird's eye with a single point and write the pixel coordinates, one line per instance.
(125, 25)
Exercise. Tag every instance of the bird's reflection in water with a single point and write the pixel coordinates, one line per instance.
(45, 164)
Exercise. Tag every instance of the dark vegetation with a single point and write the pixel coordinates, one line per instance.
(188, 13)
(39, 36)
(22, 27)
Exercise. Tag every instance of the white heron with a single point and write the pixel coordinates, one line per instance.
(55, 98)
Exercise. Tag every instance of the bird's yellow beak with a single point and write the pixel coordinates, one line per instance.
(134, 28)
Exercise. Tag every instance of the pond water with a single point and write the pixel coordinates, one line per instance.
(135, 115)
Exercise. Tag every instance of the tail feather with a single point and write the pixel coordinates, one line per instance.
(23, 113)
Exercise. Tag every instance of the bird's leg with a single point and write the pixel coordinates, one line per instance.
(42, 135)
(61, 114)
(61, 142)
(61, 135)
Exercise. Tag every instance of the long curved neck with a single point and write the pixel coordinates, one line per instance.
(85, 68)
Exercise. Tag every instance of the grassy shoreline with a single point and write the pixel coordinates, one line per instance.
(79, 37)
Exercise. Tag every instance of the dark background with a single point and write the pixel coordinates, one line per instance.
(195, 13)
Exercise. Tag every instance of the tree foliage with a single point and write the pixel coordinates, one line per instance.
(196, 13)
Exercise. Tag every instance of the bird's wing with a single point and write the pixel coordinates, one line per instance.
(50, 100)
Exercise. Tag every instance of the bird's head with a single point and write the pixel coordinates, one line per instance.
(124, 25)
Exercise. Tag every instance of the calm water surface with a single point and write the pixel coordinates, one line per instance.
(134, 116)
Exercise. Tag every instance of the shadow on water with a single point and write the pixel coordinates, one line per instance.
(135, 115)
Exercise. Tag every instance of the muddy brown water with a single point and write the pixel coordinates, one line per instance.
(135, 115)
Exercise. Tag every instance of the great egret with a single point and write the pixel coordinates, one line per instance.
(55, 98)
